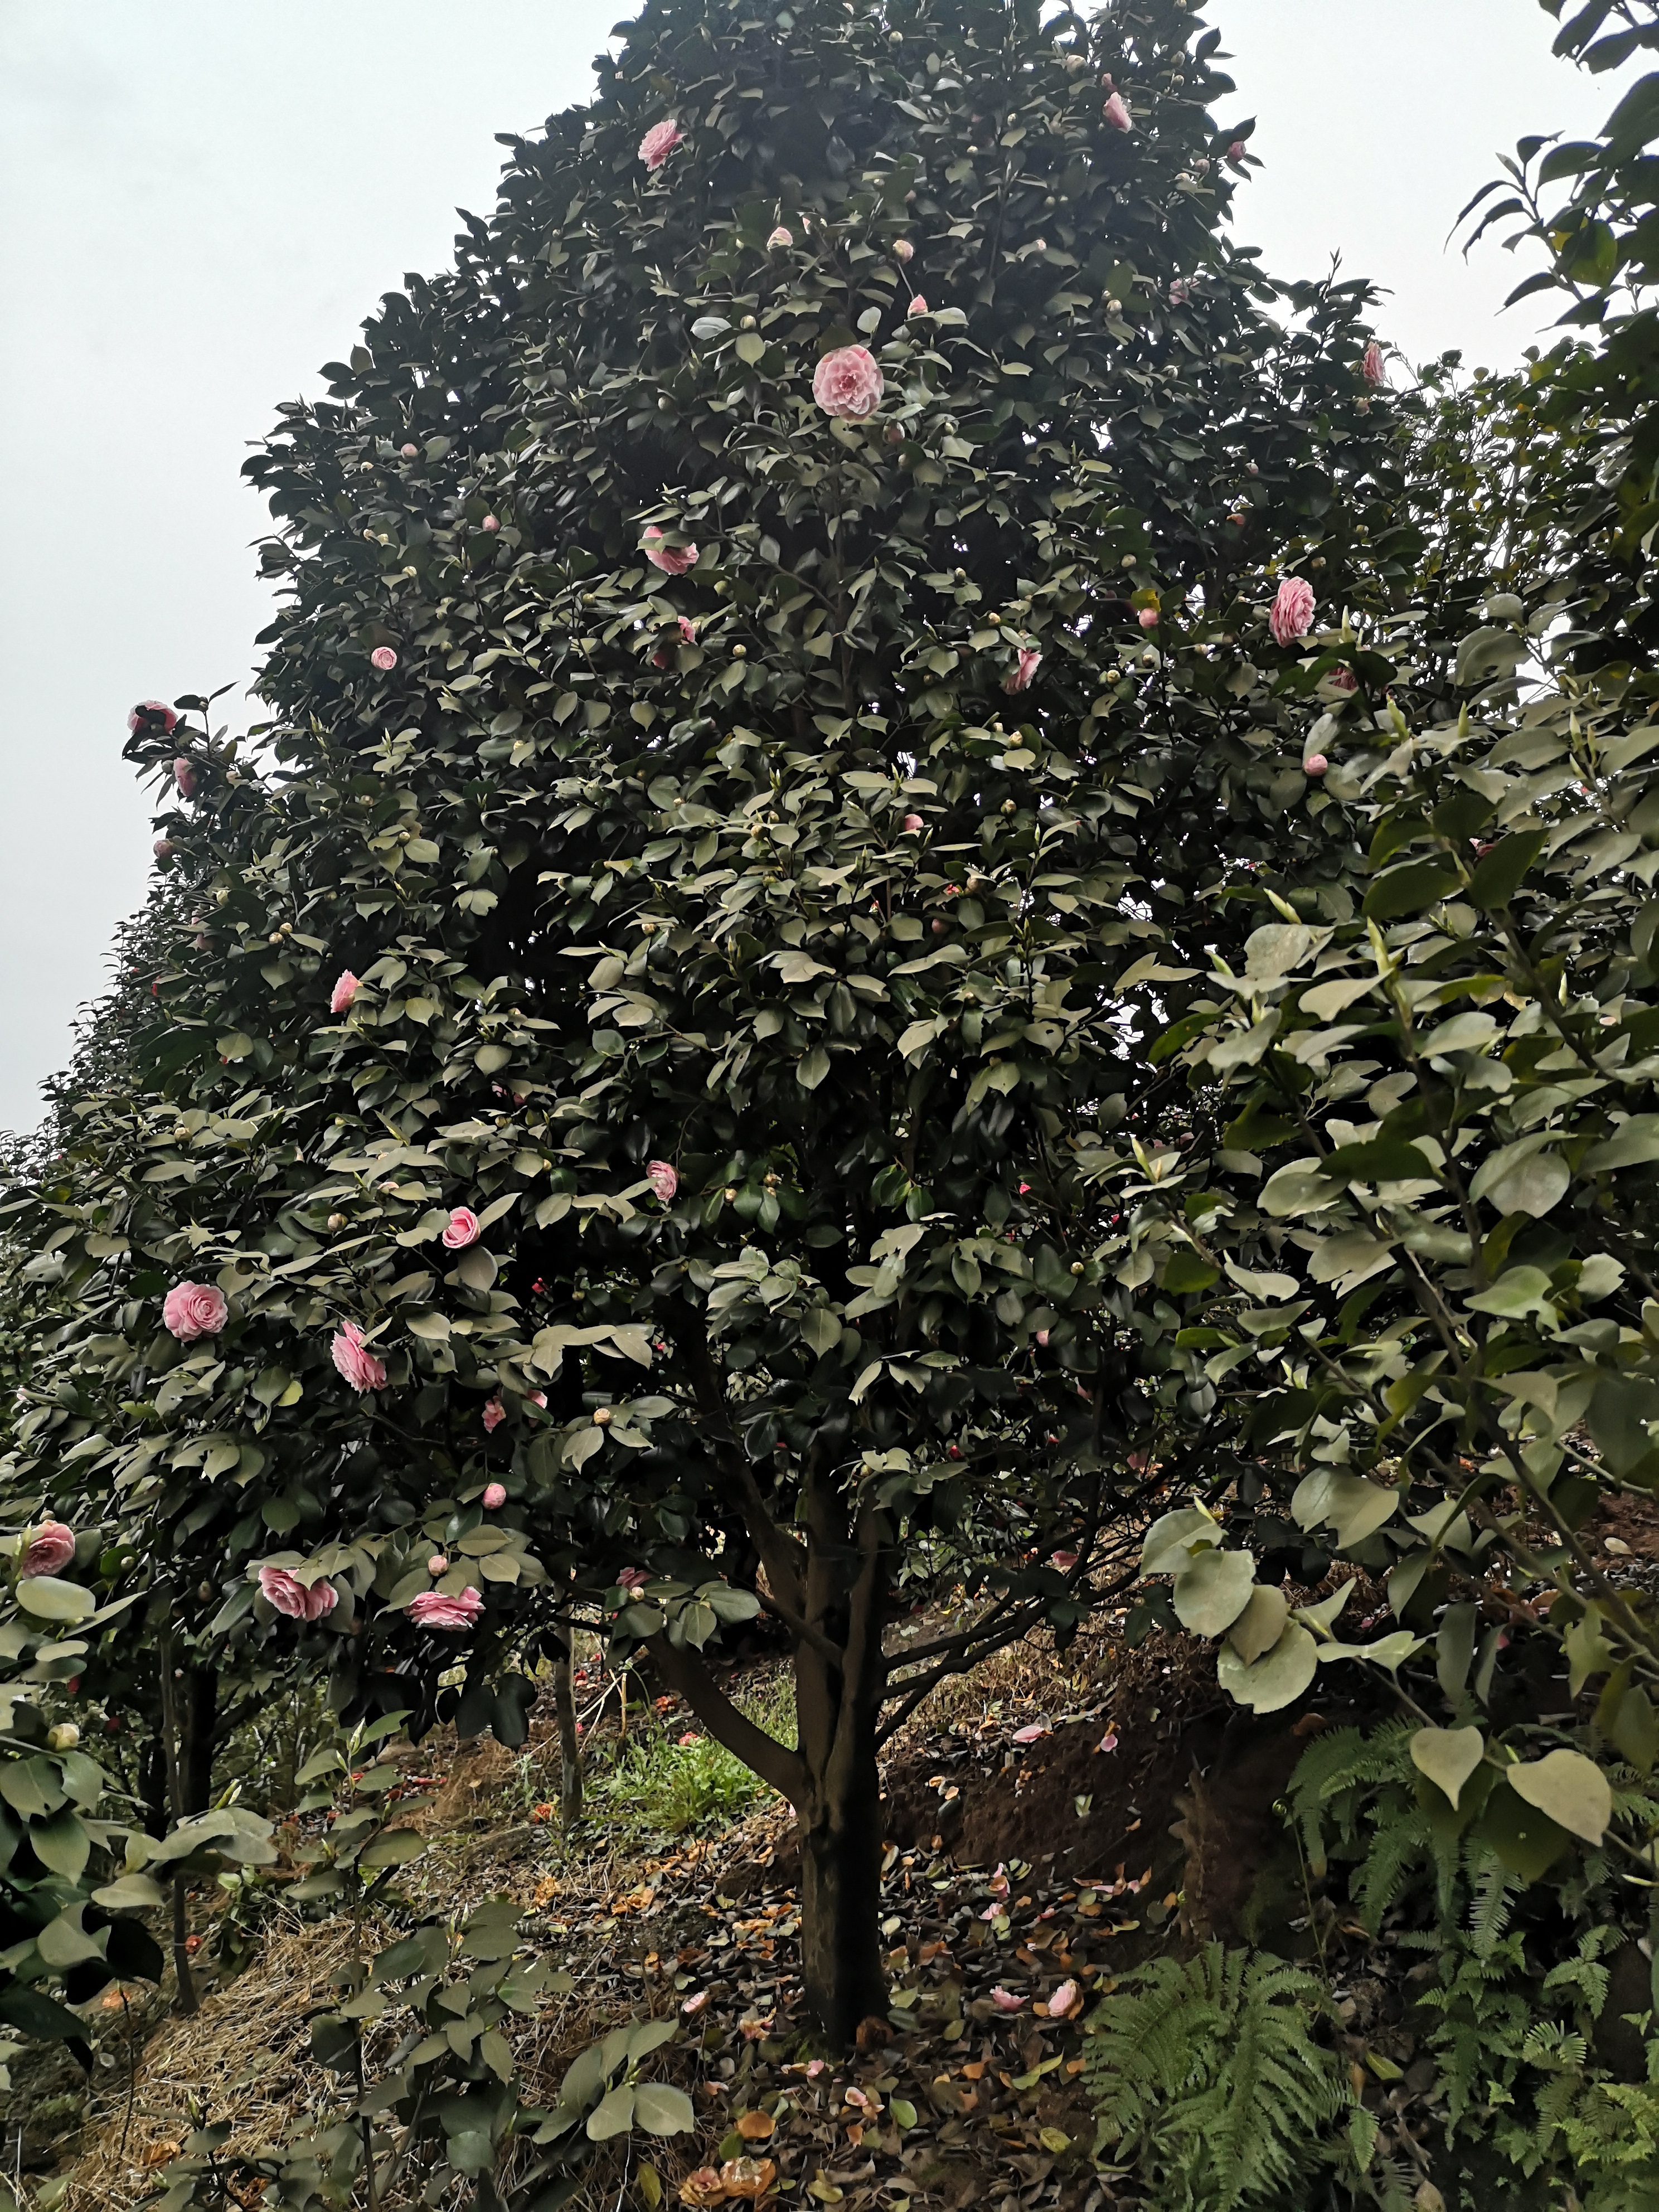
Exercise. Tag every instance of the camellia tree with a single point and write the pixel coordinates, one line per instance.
(776, 660)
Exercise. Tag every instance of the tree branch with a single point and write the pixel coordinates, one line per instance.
(688, 1678)
(783, 1558)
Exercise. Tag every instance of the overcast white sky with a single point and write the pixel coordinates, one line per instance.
(199, 203)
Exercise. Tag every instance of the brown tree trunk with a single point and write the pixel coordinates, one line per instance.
(841, 1849)
(201, 1703)
(570, 1754)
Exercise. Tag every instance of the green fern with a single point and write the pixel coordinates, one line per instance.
(1208, 2080)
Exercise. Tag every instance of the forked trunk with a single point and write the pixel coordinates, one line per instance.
(841, 1847)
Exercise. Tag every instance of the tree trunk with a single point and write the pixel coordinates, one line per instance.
(200, 1703)
(570, 1754)
(841, 1849)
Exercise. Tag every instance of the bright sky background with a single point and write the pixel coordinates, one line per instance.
(200, 202)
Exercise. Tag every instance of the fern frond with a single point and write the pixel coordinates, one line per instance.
(1402, 1838)
(1493, 1901)
(1208, 2079)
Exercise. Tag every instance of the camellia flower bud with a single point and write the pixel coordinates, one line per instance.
(1315, 764)
(495, 1496)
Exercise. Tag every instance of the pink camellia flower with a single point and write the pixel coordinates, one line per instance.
(434, 1609)
(912, 824)
(688, 630)
(1315, 764)
(1149, 617)
(360, 1368)
(463, 1228)
(153, 714)
(383, 657)
(1005, 2000)
(436, 1565)
(1062, 2001)
(194, 1309)
(494, 1496)
(183, 774)
(1180, 292)
(346, 990)
(780, 238)
(847, 384)
(409, 452)
(1343, 679)
(1064, 1561)
(492, 523)
(539, 1397)
(632, 1578)
(494, 1415)
(163, 848)
(287, 1594)
(1235, 154)
(917, 306)
(673, 560)
(1371, 367)
(1043, 1336)
(1117, 114)
(660, 142)
(1020, 678)
(664, 1179)
(1031, 1733)
(51, 1548)
(1293, 611)
(902, 249)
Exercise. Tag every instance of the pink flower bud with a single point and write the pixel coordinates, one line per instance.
(688, 630)
(659, 143)
(780, 238)
(1315, 764)
(463, 1228)
(494, 1415)
(912, 824)
(1025, 670)
(346, 990)
(1043, 1336)
(917, 306)
(902, 249)
(411, 453)
(1149, 617)
(436, 1565)
(1116, 114)
(664, 1179)
(1371, 367)
(491, 522)
(163, 848)
(183, 775)
(384, 657)
(495, 1496)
